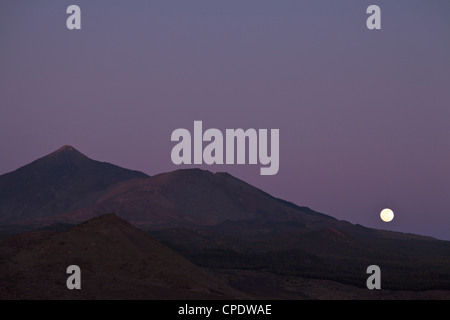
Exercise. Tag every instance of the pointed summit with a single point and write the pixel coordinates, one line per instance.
(66, 155)
(66, 148)
(61, 181)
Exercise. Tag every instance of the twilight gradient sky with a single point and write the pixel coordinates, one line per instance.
(364, 116)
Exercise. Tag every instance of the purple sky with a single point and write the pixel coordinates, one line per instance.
(364, 116)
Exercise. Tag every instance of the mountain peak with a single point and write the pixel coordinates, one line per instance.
(66, 175)
(66, 148)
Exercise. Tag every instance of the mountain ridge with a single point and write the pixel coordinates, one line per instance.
(192, 197)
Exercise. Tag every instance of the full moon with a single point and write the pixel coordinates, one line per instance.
(387, 215)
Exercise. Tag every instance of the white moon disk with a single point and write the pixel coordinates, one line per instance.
(387, 215)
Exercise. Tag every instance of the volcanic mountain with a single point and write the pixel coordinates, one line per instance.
(59, 182)
(215, 221)
(117, 261)
(66, 186)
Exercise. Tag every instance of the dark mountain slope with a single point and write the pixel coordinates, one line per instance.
(193, 197)
(59, 182)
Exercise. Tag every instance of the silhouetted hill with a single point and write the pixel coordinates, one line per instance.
(117, 261)
(59, 182)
